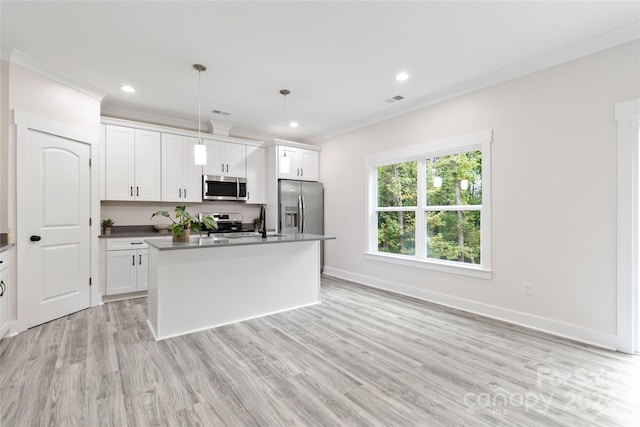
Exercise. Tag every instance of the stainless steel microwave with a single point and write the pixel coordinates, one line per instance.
(223, 188)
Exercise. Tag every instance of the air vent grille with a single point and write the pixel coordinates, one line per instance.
(394, 99)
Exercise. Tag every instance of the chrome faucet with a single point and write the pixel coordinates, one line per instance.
(263, 221)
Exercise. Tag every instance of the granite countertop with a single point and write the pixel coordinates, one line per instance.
(118, 231)
(197, 242)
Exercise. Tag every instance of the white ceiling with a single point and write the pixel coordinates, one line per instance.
(337, 58)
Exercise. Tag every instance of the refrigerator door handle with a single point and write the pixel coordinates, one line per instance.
(302, 218)
(299, 214)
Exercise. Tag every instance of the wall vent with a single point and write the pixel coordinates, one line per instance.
(394, 99)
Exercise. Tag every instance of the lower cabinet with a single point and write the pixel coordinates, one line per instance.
(127, 265)
(4, 296)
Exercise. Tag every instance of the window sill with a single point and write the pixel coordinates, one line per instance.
(442, 266)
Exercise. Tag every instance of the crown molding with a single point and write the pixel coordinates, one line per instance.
(28, 62)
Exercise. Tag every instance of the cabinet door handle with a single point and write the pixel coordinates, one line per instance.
(136, 243)
(137, 191)
(227, 167)
(248, 195)
(131, 188)
(140, 259)
(301, 172)
(2, 288)
(185, 193)
(133, 260)
(179, 193)
(222, 168)
(35, 238)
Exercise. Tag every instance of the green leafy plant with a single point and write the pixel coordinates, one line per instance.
(107, 222)
(257, 223)
(185, 221)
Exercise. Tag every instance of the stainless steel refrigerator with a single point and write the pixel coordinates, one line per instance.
(301, 209)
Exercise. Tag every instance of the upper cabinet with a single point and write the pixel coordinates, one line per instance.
(298, 163)
(225, 159)
(256, 175)
(132, 164)
(146, 162)
(181, 177)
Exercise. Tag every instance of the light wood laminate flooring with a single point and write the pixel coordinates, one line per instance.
(363, 357)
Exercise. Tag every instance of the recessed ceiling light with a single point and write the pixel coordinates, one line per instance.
(293, 124)
(402, 77)
(127, 89)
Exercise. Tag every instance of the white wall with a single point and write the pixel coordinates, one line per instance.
(554, 195)
(34, 93)
(139, 213)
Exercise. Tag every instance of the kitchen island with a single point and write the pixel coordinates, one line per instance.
(210, 282)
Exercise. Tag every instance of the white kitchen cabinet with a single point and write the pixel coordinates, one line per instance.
(4, 293)
(256, 175)
(132, 164)
(127, 265)
(181, 177)
(298, 163)
(225, 159)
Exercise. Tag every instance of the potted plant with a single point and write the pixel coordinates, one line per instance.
(183, 224)
(256, 224)
(106, 226)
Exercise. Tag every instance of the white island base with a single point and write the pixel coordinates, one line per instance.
(192, 288)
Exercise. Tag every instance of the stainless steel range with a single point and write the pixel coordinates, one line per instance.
(229, 225)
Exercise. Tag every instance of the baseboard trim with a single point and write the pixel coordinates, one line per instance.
(550, 326)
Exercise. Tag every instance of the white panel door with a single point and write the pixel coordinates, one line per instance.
(172, 168)
(119, 163)
(147, 166)
(54, 227)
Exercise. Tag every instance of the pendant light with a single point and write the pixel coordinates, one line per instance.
(285, 162)
(199, 150)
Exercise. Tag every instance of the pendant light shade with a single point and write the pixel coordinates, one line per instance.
(200, 154)
(199, 150)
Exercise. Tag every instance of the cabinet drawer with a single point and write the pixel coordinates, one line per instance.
(4, 260)
(126, 243)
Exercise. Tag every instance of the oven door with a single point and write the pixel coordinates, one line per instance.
(222, 188)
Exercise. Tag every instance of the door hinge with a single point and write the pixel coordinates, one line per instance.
(89, 281)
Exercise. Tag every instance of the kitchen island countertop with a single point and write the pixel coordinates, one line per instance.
(197, 242)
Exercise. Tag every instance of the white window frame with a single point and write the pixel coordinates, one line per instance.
(437, 148)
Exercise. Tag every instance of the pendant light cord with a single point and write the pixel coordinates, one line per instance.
(199, 103)
(284, 92)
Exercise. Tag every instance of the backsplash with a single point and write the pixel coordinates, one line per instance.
(139, 213)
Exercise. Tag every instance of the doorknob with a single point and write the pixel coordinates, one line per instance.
(35, 238)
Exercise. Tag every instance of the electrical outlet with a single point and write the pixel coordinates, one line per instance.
(527, 288)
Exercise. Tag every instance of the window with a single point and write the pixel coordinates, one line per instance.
(429, 205)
